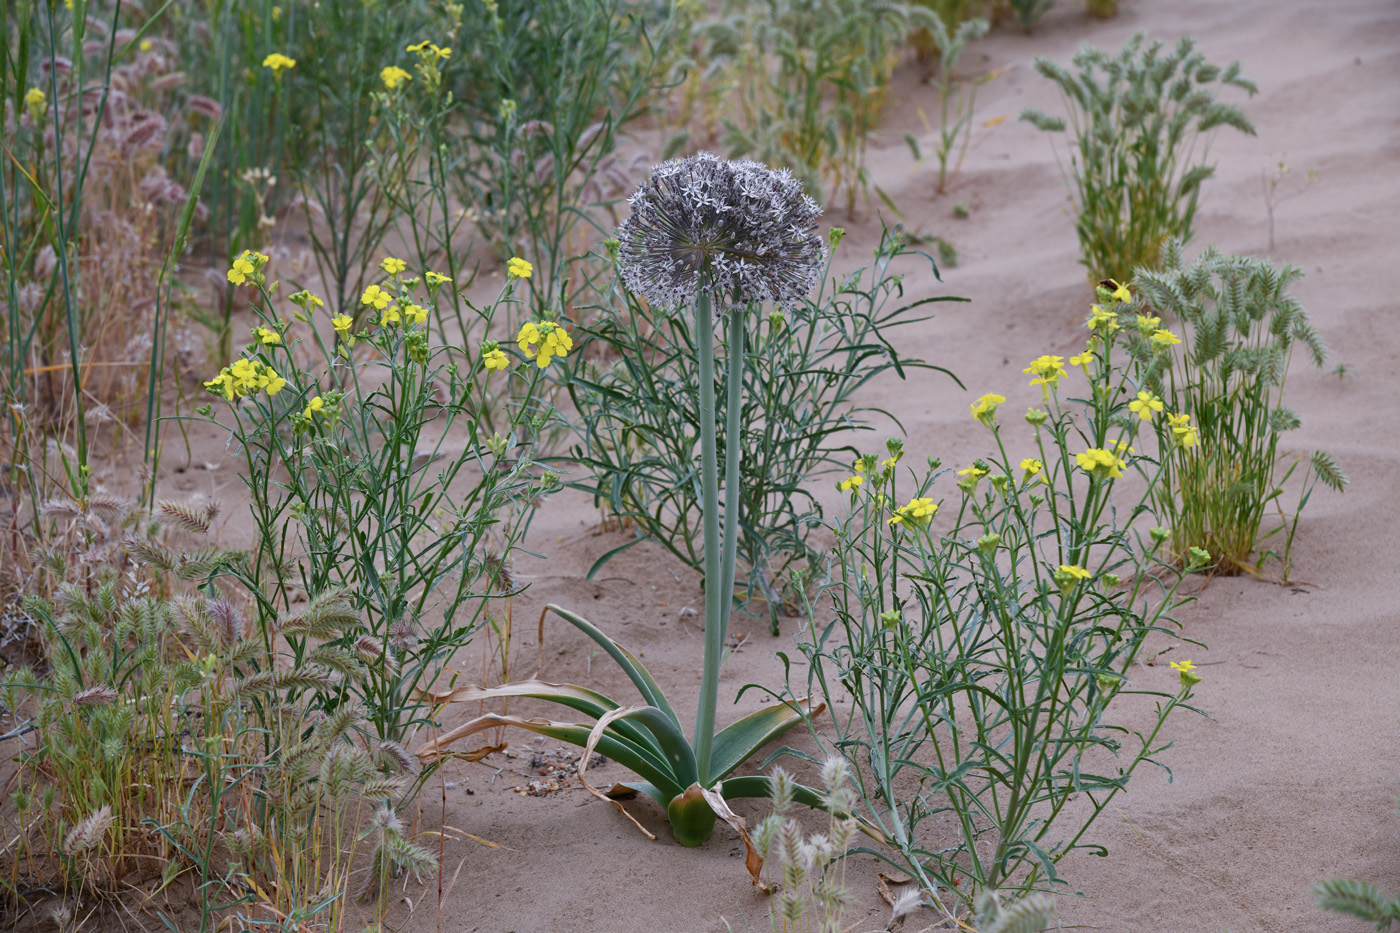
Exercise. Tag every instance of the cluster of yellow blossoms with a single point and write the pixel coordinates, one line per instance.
(34, 100)
(279, 63)
(543, 342)
(247, 268)
(243, 378)
(1100, 463)
(918, 512)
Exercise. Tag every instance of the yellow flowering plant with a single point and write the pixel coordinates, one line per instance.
(985, 631)
(334, 461)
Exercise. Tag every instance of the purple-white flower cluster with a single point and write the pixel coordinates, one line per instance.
(739, 231)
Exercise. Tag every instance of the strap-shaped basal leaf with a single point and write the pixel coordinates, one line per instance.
(737, 742)
(633, 668)
(645, 762)
(573, 696)
(668, 738)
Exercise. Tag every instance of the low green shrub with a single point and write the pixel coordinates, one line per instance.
(1142, 121)
(808, 80)
(1223, 392)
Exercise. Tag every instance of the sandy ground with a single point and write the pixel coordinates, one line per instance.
(1294, 776)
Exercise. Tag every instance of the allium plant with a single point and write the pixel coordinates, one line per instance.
(985, 637)
(721, 237)
(802, 374)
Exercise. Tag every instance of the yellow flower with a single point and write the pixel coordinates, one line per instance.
(851, 482)
(393, 266)
(342, 324)
(1145, 405)
(970, 476)
(1099, 319)
(1121, 446)
(389, 316)
(438, 51)
(415, 313)
(1069, 576)
(243, 267)
(316, 404)
(1189, 677)
(376, 298)
(393, 76)
(1033, 467)
(985, 408)
(1182, 430)
(1146, 324)
(918, 512)
(435, 279)
(274, 382)
(1100, 463)
(244, 376)
(1164, 338)
(544, 341)
(222, 386)
(34, 100)
(1048, 370)
(267, 336)
(1083, 359)
(495, 359)
(1121, 293)
(278, 63)
(518, 268)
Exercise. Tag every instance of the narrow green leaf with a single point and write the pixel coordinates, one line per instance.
(737, 742)
(645, 683)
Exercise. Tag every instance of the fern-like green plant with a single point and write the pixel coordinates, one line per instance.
(1224, 413)
(1358, 899)
(1138, 118)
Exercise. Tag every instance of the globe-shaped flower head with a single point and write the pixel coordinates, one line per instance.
(738, 231)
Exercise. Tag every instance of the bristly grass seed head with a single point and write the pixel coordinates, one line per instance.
(738, 231)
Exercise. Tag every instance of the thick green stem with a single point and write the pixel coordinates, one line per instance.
(715, 598)
(733, 451)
